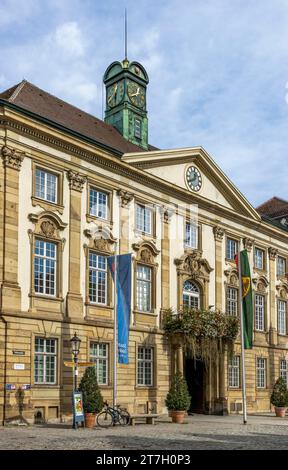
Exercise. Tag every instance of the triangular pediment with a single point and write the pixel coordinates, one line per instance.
(171, 166)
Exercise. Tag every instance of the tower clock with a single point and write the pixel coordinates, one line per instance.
(126, 85)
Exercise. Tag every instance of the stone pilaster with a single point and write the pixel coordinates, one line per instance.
(10, 290)
(124, 201)
(74, 303)
(179, 359)
(272, 291)
(166, 215)
(218, 235)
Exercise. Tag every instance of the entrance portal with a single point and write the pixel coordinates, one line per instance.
(194, 375)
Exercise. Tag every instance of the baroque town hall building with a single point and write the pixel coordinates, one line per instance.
(72, 189)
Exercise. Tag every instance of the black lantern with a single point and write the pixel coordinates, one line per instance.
(75, 343)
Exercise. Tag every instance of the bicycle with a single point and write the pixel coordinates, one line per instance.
(110, 416)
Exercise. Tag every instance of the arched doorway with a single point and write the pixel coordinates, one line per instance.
(194, 369)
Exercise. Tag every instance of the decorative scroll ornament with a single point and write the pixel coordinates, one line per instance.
(12, 158)
(76, 181)
(232, 277)
(48, 229)
(272, 253)
(166, 214)
(218, 232)
(248, 243)
(101, 239)
(125, 197)
(146, 252)
(194, 265)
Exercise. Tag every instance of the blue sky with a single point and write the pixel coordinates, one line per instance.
(218, 72)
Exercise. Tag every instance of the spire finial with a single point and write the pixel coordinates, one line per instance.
(126, 58)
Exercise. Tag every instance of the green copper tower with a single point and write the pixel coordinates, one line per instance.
(126, 85)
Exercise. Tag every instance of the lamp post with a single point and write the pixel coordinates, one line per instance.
(75, 344)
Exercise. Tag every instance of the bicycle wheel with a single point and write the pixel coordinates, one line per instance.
(124, 417)
(104, 419)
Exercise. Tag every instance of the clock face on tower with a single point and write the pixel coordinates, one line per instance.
(136, 94)
(115, 94)
(194, 178)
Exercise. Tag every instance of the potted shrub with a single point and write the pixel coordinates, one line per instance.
(178, 398)
(279, 397)
(92, 398)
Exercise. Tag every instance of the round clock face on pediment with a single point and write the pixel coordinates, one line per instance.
(136, 94)
(194, 178)
(115, 94)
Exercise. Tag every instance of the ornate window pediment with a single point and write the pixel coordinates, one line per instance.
(232, 277)
(101, 239)
(146, 252)
(282, 289)
(261, 283)
(193, 265)
(47, 224)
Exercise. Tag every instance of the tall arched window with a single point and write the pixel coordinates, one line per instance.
(191, 295)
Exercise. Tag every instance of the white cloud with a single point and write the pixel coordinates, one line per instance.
(69, 39)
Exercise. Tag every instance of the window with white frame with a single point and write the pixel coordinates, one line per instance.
(191, 295)
(46, 185)
(99, 353)
(191, 235)
(144, 288)
(97, 278)
(234, 372)
(258, 258)
(231, 248)
(259, 312)
(232, 301)
(45, 361)
(144, 219)
(283, 369)
(45, 267)
(260, 372)
(145, 365)
(98, 203)
(281, 266)
(281, 307)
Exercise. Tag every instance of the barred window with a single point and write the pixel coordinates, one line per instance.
(260, 372)
(231, 248)
(234, 372)
(283, 369)
(259, 258)
(46, 185)
(45, 361)
(144, 288)
(281, 266)
(281, 317)
(191, 295)
(232, 301)
(98, 204)
(45, 267)
(191, 235)
(144, 219)
(97, 278)
(99, 355)
(259, 312)
(145, 366)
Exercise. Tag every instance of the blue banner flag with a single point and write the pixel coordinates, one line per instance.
(123, 302)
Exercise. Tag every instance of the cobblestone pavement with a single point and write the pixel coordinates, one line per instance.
(198, 432)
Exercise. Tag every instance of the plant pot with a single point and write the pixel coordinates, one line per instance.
(90, 420)
(177, 416)
(280, 411)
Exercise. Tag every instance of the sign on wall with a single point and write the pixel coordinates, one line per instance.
(78, 407)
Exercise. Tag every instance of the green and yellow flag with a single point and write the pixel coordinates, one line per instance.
(247, 303)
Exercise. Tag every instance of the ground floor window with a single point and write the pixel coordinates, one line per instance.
(145, 366)
(234, 372)
(283, 369)
(260, 372)
(45, 361)
(99, 353)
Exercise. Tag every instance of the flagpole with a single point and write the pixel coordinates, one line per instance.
(115, 330)
(242, 342)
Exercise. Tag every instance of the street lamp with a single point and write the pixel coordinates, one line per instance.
(75, 344)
